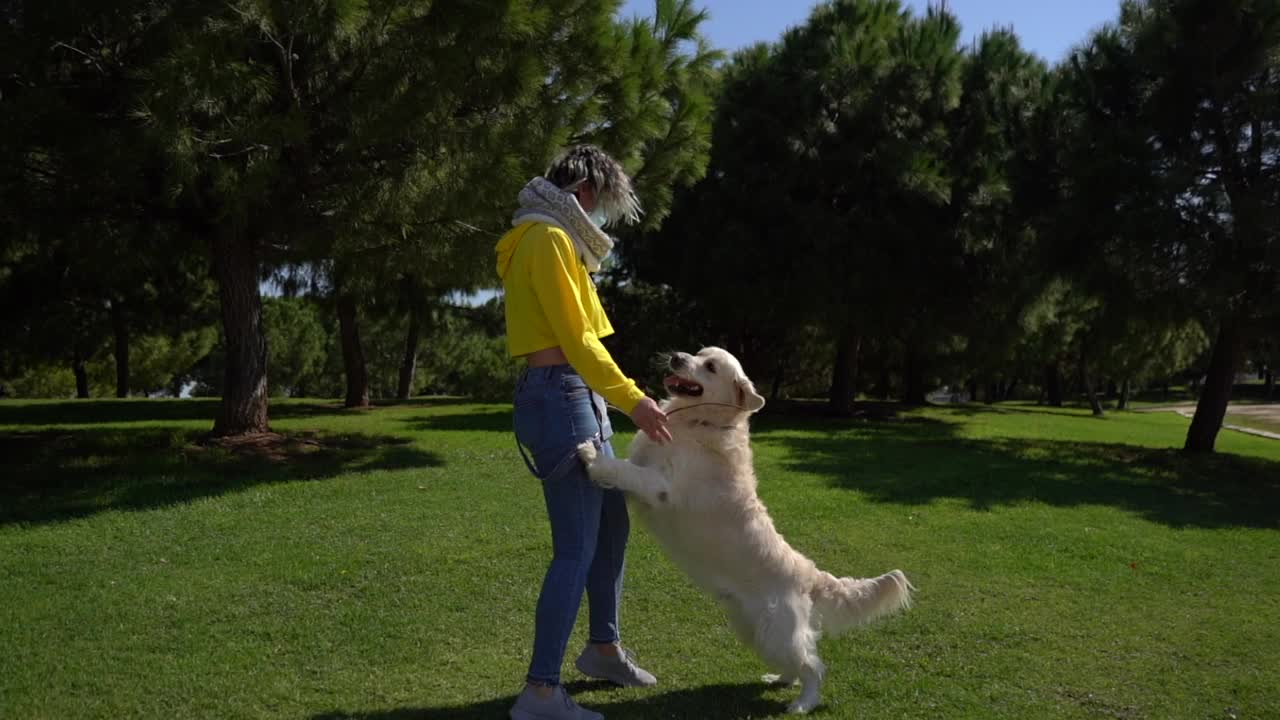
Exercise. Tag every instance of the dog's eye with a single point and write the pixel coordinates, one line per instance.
(711, 367)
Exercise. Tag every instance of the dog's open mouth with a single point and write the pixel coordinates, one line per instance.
(680, 386)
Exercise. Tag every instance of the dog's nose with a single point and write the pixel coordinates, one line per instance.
(680, 360)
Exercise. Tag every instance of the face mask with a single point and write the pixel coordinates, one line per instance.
(598, 216)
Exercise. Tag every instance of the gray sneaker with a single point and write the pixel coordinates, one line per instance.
(619, 669)
(556, 706)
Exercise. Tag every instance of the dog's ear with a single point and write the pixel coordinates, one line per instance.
(747, 396)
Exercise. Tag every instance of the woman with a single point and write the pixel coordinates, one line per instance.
(555, 321)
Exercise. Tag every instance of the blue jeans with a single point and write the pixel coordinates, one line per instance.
(554, 412)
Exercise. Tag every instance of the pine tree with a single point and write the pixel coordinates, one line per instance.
(641, 93)
(92, 259)
(314, 131)
(1177, 171)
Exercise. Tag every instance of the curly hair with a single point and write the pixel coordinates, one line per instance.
(588, 163)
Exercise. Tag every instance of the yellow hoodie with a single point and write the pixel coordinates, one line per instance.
(551, 300)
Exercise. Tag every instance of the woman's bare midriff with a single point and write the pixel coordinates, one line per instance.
(545, 357)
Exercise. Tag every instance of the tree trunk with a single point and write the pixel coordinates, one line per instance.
(844, 372)
(993, 393)
(1123, 403)
(973, 390)
(884, 385)
(1094, 403)
(1008, 389)
(121, 330)
(1271, 384)
(1053, 385)
(244, 385)
(352, 353)
(82, 377)
(1212, 405)
(410, 362)
(912, 378)
(779, 377)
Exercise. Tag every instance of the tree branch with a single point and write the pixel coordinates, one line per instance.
(84, 54)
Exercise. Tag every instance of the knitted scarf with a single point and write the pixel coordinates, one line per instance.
(542, 201)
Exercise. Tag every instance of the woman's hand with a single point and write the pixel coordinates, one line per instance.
(649, 417)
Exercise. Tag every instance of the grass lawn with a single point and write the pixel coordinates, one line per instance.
(1253, 421)
(386, 566)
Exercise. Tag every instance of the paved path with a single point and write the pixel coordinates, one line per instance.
(1269, 411)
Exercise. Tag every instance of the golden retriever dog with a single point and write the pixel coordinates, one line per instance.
(697, 496)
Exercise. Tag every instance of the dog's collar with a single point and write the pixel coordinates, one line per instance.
(708, 423)
(705, 404)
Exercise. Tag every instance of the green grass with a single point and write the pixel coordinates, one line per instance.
(1253, 421)
(1068, 567)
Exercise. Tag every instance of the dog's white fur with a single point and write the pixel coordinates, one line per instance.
(697, 495)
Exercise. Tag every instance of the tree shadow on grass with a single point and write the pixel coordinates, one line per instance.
(1074, 410)
(496, 420)
(710, 702)
(58, 474)
(914, 464)
(970, 409)
(784, 421)
(93, 412)
(1069, 409)
(97, 412)
(789, 414)
(491, 419)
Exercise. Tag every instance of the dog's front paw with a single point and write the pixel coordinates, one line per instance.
(599, 472)
(588, 453)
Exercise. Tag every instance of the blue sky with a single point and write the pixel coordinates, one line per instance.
(1048, 29)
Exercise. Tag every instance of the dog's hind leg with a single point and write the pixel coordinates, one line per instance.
(811, 675)
(744, 626)
(789, 644)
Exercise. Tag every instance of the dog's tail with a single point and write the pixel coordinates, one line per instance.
(844, 603)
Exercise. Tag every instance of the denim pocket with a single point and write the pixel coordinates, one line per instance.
(574, 390)
(539, 416)
(529, 423)
(545, 424)
(555, 411)
(589, 410)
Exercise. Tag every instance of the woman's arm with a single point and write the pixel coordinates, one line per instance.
(552, 268)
